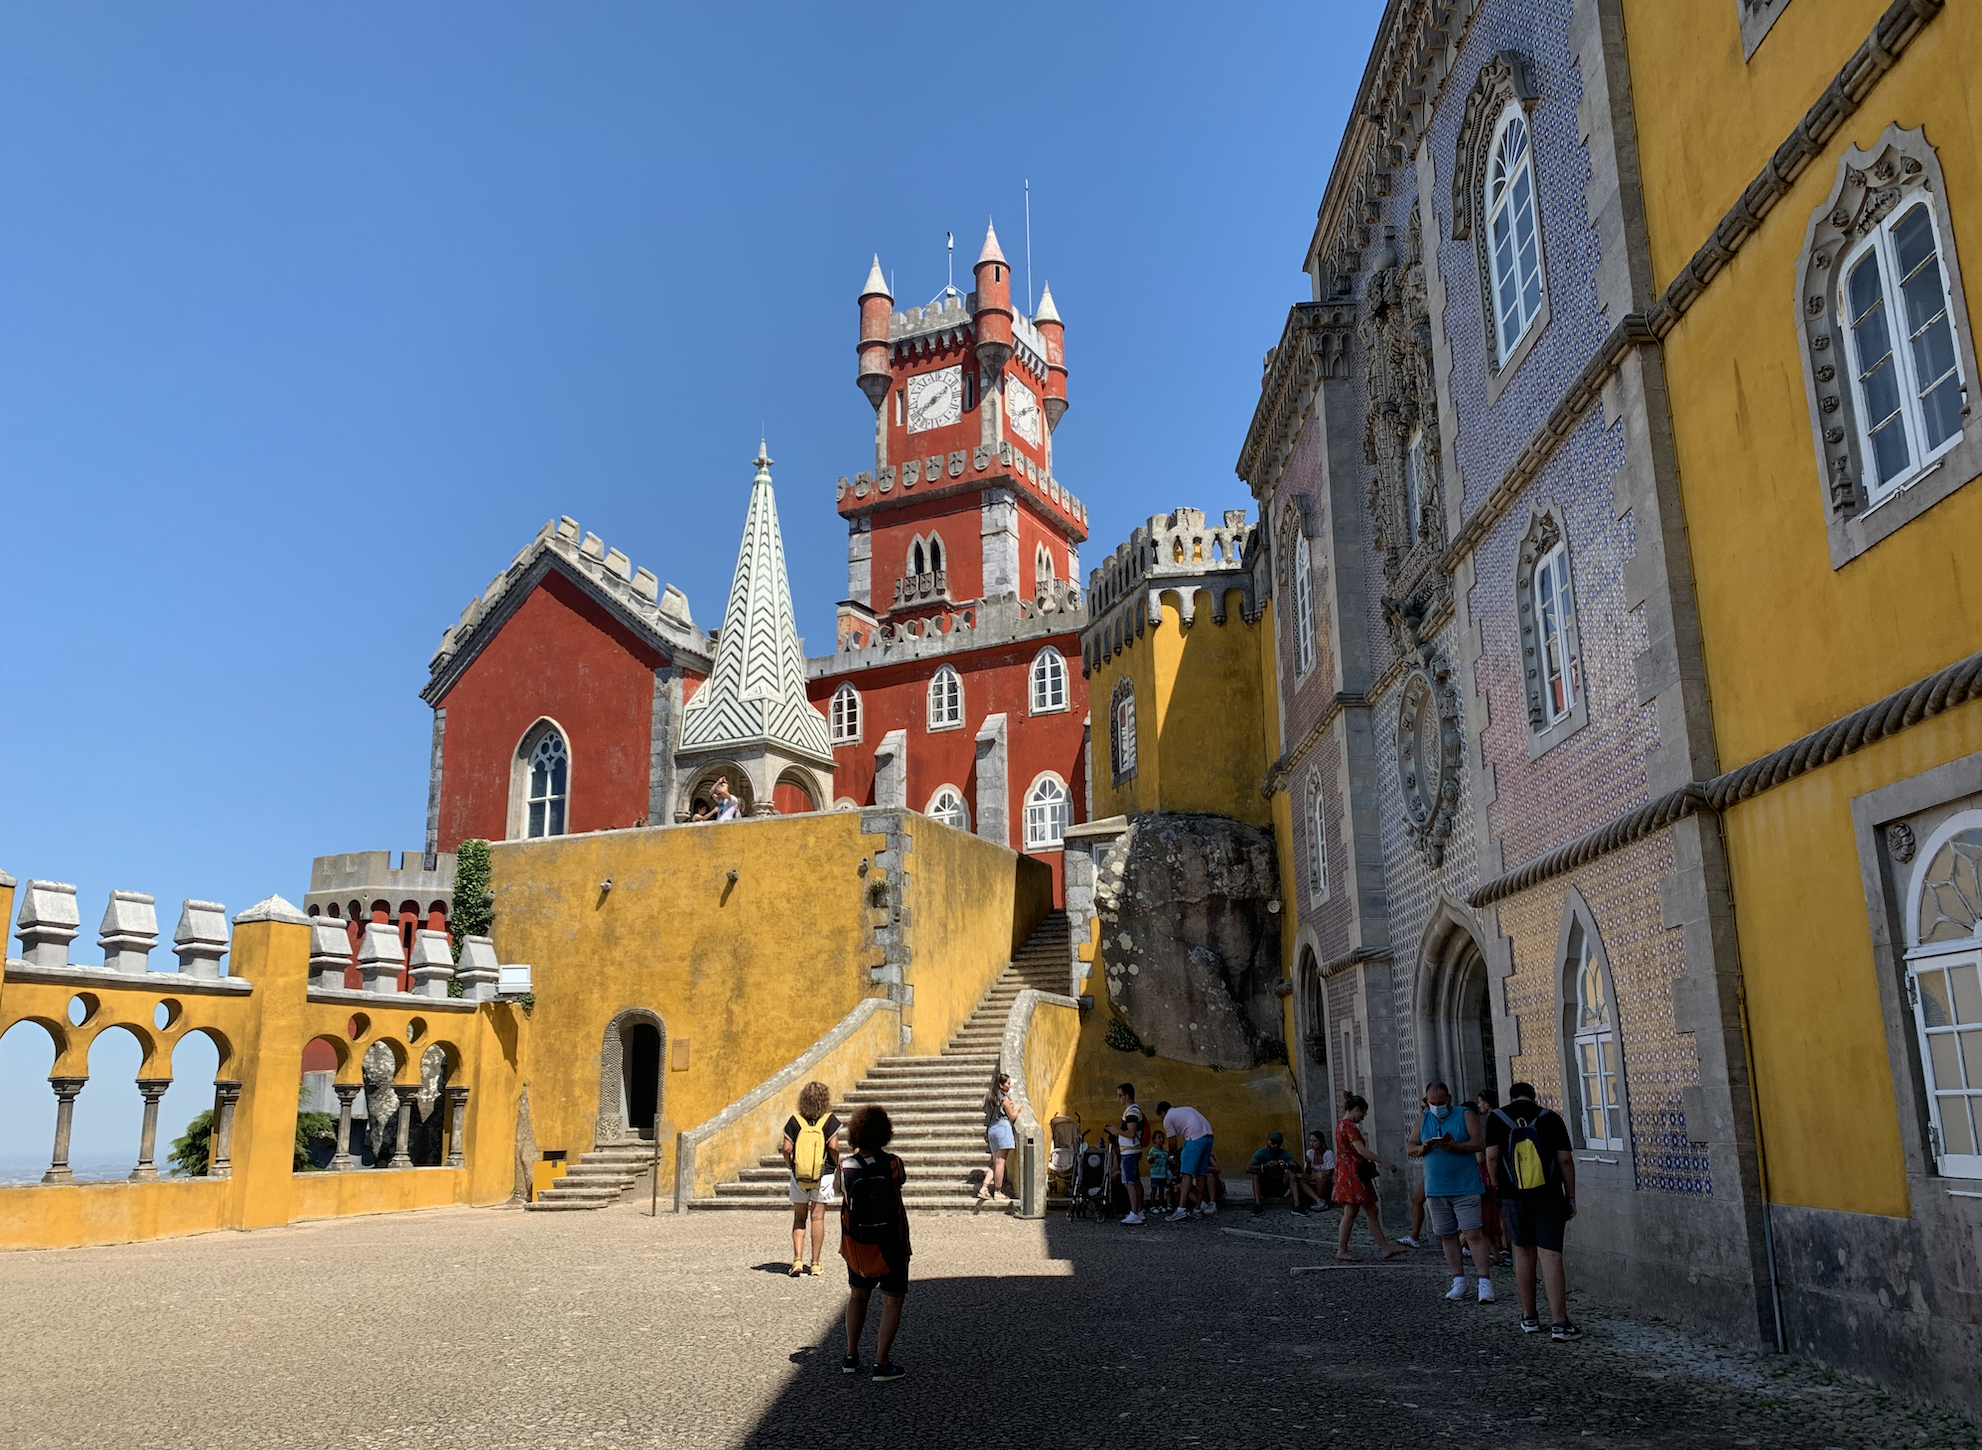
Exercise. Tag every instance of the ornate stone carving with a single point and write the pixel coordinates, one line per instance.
(1503, 79)
(1900, 841)
(1430, 749)
(1544, 533)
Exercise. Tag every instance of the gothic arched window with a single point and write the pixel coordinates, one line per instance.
(545, 805)
(1317, 828)
(1513, 232)
(945, 700)
(1122, 729)
(844, 716)
(1596, 1065)
(948, 806)
(935, 553)
(1944, 970)
(1303, 607)
(1048, 813)
(1551, 656)
(1049, 682)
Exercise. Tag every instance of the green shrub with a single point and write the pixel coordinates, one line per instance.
(309, 1127)
(1121, 1037)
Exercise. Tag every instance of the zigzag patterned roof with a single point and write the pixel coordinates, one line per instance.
(756, 692)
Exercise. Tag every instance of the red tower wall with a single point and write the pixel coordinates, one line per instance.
(560, 655)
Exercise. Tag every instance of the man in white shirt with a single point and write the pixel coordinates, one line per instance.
(1129, 1139)
(1193, 1160)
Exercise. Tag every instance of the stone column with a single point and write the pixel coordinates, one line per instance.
(457, 1114)
(402, 1155)
(221, 1162)
(66, 1089)
(347, 1093)
(153, 1089)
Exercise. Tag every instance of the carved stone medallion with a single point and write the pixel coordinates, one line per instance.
(1430, 749)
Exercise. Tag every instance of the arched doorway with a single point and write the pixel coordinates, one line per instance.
(1453, 1009)
(631, 1060)
(792, 796)
(1311, 1019)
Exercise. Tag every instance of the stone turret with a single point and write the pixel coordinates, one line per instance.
(876, 308)
(1053, 333)
(993, 316)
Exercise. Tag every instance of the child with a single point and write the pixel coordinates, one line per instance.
(1159, 1172)
(873, 1238)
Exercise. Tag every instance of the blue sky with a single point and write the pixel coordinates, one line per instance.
(311, 316)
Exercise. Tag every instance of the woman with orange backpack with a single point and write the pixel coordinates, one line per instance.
(873, 1238)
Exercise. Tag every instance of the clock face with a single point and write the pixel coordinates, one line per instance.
(935, 399)
(1022, 410)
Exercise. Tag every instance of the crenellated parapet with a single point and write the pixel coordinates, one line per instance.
(984, 466)
(656, 612)
(1059, 608)
(1181, 554)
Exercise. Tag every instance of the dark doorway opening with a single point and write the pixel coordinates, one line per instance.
(643, 1078)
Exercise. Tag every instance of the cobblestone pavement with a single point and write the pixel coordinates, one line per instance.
(472, 1328)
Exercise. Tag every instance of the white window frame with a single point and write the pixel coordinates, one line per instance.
(550, 757)
(946, 700)
(843, 715)
(1048, 677)
(522, 764)
(1303, 607)
(1596, 1051)
(1555, 625)
(1317, 826)
(1878, 247)
(1415, 484)
(1122, 730)
(953, 812)
(1934, 957)
(1049, 810)
(1492, 208)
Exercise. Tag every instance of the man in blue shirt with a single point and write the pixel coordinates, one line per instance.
(1449, 1139)
(1273, 1174)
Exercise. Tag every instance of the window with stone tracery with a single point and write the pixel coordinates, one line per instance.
(1551, 656)
(1596, 1064)
(1944, 987)
(1317, 827)
(1122, 729)
(1513, 232)
(549, 764)
(1303, 607)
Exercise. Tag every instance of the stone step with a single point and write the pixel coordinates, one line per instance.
(885, 1092)
(914, 1202)
(931, 1155)
(988, 1059)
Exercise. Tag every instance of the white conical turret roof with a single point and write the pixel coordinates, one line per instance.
(877, 285)
(1047, 311)
(755, 694)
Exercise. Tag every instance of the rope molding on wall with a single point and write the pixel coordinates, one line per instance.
(1925, 698)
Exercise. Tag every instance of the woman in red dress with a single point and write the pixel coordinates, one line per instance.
(1356, 1165)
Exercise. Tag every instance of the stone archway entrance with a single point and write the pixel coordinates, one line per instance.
(631, 1062)
(1454, 1013)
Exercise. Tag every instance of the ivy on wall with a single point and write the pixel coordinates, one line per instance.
(473, 912)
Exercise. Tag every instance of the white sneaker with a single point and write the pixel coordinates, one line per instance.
(1178, 1215)
(1486, 1291)
(1210, 1209)
(1458, 1289)
(1131, 1218)
(1407, 1241)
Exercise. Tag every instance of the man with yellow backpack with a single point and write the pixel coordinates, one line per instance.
(1528, 1153)
(811, 1150)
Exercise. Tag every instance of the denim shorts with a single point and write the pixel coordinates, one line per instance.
(1132, 1167)
(999, 1134)
(1196, 1157)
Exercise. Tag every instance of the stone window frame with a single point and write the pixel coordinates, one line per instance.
(962, 806)
(1121, 742)
(946, 676)
(1614, 1167)
(1889, 826)
(516, 825)
(1546, 532)
(1315, 815)
(1920, 957)
(1044, 663)
(1303, 567)
(844, 707)
(1505, 82)
(1041, 843)
(1870, 184)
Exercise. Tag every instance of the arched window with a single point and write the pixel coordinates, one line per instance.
(1416, 466)
(935, 554)
(945, 700)
(549, 770)
(1303, 607)
(1513, 234)
(1042, 569)
(918, 561)
(1596, 1066)
(1048, 813)
(1551, 661)
(1944, 968)
(1905, 369)
(843, 716)
(1122, 729)
(1561, 678)
(1317, 825)
(948, 806)
(1049, 682)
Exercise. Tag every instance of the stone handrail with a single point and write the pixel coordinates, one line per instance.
(1033, 1077)
(714, 1150)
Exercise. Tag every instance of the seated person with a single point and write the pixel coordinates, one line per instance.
(1275, 1173)
(1319, 1176)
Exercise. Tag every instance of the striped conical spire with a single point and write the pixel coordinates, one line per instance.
(755, 694)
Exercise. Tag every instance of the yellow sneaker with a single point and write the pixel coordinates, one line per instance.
(813, 1268)
(798, 1268)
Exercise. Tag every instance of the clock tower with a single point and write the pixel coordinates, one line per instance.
(963, 569)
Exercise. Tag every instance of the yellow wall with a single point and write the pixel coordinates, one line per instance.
(260, 1037)
(751, 975)
(1199, 708)
(1792, 644)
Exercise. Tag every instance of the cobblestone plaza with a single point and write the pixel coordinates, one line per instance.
(472, 1328)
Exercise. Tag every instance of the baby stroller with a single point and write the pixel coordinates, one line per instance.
(1064, 1157)
(1090, 1183)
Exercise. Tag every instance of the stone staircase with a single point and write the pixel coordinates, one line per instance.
(599, 1177)
(936, 1103)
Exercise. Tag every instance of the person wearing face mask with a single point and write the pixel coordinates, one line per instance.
(1448, 1137)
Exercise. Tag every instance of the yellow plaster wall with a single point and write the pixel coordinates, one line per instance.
(1051, 1042)
(1200, 745)
(1790, 643)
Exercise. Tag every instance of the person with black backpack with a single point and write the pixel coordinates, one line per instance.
(1528, 1154)
(873, 1238)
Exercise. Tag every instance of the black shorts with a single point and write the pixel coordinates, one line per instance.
(1535, 1223)
(894, 1282)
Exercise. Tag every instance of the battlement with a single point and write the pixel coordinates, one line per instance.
(50, 919)
(946, 322)
(658, 610)
(945, 471)
(1175, 553)
(864, 643)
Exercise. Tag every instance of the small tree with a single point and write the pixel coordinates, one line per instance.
(473, 912)
(190, 1149)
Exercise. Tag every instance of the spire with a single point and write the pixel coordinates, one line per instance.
(877, 285)
(990, 252)
(1047, 311)
(755, 693)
